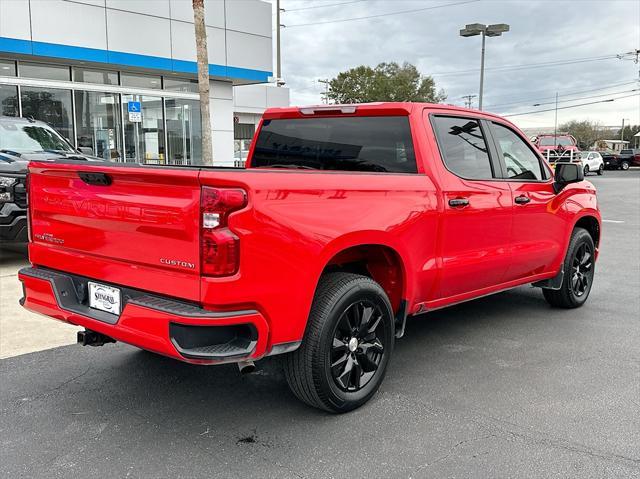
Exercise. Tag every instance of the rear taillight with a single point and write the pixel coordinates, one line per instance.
(220, 247)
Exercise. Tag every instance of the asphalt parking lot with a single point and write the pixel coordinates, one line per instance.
(504, 386)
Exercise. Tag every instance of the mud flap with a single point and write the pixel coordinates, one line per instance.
(551, 283)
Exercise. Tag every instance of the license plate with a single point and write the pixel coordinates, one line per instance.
(104, 298)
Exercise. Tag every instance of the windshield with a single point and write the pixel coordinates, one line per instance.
(21, 137)
(556, 141)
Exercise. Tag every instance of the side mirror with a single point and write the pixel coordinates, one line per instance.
(567, 173)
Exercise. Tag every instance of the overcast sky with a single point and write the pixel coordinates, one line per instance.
(541, 31)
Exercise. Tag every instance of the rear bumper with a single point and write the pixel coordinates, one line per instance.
(176, 329)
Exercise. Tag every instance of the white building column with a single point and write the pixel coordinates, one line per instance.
(221, 97)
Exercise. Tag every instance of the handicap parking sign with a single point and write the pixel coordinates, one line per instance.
(135, 111)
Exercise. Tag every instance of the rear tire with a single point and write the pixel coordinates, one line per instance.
(586, 170)
(601, 170)
(347, 344)
(624, 165)
(579, 269)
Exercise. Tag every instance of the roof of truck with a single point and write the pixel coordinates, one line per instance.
(395, 108)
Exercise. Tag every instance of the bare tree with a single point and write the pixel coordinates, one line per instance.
(203, 80)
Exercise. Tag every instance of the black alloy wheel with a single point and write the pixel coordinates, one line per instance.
(578, 271)
(347, 345)
(357, 346)
(582, 270)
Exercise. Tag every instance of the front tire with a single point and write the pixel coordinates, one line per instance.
(347, 344)
(586, 170)
(601, 170)
(579, 269)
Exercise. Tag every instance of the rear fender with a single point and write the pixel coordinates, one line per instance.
(371, 238)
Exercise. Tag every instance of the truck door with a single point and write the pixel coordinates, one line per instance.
(477, 215)
(538, 229)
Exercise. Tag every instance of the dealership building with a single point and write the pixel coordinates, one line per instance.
(117, 78)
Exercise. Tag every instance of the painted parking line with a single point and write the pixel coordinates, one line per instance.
(613, 221)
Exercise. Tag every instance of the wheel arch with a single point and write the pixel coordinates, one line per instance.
(375, 257)
(591, 223)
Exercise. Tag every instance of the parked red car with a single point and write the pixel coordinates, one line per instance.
(347, 220)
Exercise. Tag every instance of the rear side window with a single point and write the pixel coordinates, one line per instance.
(463, 147)
(380, 144)
(521, 162)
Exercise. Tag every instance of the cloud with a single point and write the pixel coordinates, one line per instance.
(541, 31)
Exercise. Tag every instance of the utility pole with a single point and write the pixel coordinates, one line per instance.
(555, 125)
(203, 80)
(325, 95)
(622, 133)
(468, 103)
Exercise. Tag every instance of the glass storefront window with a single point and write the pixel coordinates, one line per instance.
(50, 105)
(140, 81)
(45, 72)
(184, 132)
(144, 140)
(7, 68)
(8, 100)
(180, 84)
(98, 124)
(90, 75)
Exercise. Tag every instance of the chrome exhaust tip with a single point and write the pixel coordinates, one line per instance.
(246, 367)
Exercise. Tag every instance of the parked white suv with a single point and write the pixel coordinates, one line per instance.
(592, 162)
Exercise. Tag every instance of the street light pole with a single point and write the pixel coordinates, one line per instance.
(474, 29)
(278, 62)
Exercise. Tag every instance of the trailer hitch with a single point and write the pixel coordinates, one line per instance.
(91, 338)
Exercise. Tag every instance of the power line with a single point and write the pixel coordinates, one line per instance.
(526, 66)
(323, 6)
(341, 20)
(588, 97)
(571, 106)
(527, 101)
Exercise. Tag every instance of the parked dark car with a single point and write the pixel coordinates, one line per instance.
(629, 157)
(23, 140)
(611, 160)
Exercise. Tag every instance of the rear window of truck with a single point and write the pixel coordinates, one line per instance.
(376, 144)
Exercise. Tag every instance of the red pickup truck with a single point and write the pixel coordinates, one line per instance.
(347, 219)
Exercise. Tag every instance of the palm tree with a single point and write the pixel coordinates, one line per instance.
(203, 80)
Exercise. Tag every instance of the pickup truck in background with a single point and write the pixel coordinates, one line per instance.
(23, 140)
(559, 147)
(347, 219)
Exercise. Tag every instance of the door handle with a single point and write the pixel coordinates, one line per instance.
(522, 200)
(458, 202)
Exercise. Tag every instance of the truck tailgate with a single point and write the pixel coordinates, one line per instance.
(129, 225)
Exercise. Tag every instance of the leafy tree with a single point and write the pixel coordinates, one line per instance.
(585, 132)
(385, 82)
(629, 131)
